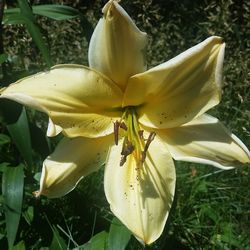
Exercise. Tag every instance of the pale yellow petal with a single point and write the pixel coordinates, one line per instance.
(117, 45)
(181, 89)
(141, 195)
(205, 140)
(53, 129)
(81, 101)
(72, 160)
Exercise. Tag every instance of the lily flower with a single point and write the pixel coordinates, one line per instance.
(134, 120)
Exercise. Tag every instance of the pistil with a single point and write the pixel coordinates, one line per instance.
(134, 142)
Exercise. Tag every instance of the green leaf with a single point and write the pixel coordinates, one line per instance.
(119, 236)
(29, 214)
(9, 111)
(98, 241)
(14, 18)
(57, 242)
(20, 134)
(19, 246)
(12, 186)
(11, 11)
(26, 10)
(34, 30)
(39, 41)
(3, 58)
(55, 11)
(3, 166)
(24, 15)
(37, 176)
(4, 139)
(39, 141)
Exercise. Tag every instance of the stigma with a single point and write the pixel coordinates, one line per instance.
(134, 142)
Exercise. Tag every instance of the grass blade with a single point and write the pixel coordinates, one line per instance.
(119, 236)
(12, 186)
(20, 134)
(55, 11)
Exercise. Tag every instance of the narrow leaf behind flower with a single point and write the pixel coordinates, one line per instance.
(98, 241)
(34, 30)
(12, 188)
(119, 236)
(20, 134)
(55, 11)
(57, 242)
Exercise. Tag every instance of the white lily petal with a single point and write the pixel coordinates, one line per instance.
(181, 89)
(141, 196)
(81, 101)
(117, 46)
(205, 140)
(72, 160)
(53, 129)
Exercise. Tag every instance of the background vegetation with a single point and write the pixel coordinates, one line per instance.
(212, 207)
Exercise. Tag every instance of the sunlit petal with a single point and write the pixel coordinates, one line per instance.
(141, 195)
(179, 90)
(205, 140)
(71, 161)
(81, 101)
(117, 45)
(53, 129)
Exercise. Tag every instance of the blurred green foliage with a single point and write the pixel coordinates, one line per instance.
(211, 209)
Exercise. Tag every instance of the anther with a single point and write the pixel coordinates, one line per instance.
(123, 126)
(123, 160)
(116, 131)
(149, 140)
(127, 149)
(140, 132)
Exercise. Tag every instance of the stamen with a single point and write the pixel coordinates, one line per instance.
(127, 149)
(149, 140)
(134, 140)
(123, 160)
(123, 126)
(140, 132)
(116, 131)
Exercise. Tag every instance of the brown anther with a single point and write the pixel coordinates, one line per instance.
(149, 140)
(123, 160)
(123, 126)
(127, 148)
(116, 131)
(143, 156)
(140, 132)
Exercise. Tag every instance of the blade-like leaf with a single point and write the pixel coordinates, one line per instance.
(34, 30)
(57, 242)
(12, 188)
(3, 58)
(20, 134)
(19, 246)
(11, 11)
(14, 18)
(98, 241)
(39, 140)
(26, 9)
(39, 41)
(4, 139)
(119, 236)
(55, 11)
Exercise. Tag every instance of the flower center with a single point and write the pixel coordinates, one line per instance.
(134, 142)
